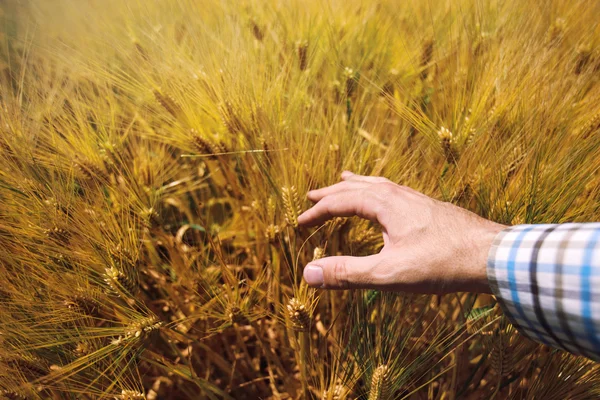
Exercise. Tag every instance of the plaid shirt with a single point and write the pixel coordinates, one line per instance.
(547, 280)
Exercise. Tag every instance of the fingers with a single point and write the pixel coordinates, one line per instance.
(350, 176)
(350, 197)
(341, 272)
(318, 194)
(341, 204)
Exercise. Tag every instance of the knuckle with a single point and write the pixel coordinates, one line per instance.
(366, 202)
(340, 274)
(383, 191)
(387, 187)
(325, 202)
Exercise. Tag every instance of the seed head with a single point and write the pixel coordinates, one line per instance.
(168, 103)
(271, 232)
(448, 145)
(58, 234)
(299, 315)
(149, 217)
(291, 204)
(119, 282)
(338, 392)
(318, 252)
(380, 384)
(83, 303)
(141, 50)
(83, 348)
(584, 56)
(90, 171)
(6, 149)
(302, 48)
(230, 119)
(257, 31)
(351, 81)
(11, 395)
(556, 32)
(29, 366)
(130, 395)
(202, 145)
(122, 257)
(144, 327)
(589, 127)
(236, 316)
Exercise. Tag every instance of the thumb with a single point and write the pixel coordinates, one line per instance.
(341, 272)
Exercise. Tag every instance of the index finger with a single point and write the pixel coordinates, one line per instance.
(342, 204)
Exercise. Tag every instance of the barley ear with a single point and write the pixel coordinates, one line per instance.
(130, 395)
(168, 103)
(380, 384)
(448, 143)
(120, 283)
(291, 204)
(299, 315)
(302, 48)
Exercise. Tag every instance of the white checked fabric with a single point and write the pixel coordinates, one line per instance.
(547, 280)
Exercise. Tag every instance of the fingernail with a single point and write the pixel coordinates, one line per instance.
(313, 275)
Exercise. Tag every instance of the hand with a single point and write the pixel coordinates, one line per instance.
(429, 246)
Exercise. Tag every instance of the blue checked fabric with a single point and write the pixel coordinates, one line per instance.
(547, 280)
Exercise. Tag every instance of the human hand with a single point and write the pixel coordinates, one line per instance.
(429, 246)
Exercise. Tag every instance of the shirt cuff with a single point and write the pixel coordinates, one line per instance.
(543, 278)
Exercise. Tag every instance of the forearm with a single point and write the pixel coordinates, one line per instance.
(547, 280)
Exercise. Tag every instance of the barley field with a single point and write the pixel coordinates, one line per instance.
(155, 156)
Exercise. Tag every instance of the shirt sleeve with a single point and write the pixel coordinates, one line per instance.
(547, 281)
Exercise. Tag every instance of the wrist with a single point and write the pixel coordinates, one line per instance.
(482, 240)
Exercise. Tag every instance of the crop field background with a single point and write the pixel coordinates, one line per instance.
(155, 155)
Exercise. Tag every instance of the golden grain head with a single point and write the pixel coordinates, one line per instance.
(203, 145)
(143, 327)
(58, 234)
(11, 395)
(271, 232)
(127, 394)
(257, 31)
(380, 384)
(448, 143)
(337, 392)
(90, 171)
(83, 348)
(168, 103)
(236, 315)
(291, 205)
(351, 77)
(318, 253)
(445, 135)
(83, 303)
(299, 314)
(302, 49)
(119, 282)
